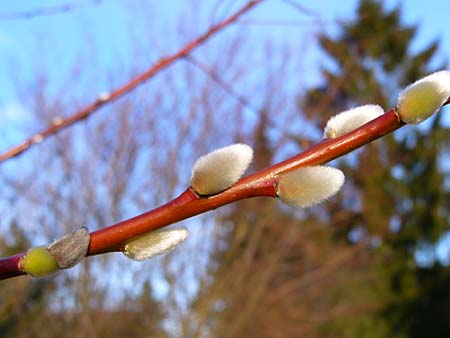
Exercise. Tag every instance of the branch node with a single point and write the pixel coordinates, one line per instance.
(70, 249)
(38, 138)
(57, 121)
(105, 96)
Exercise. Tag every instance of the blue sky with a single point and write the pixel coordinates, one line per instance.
(101, 29)
(106, 25)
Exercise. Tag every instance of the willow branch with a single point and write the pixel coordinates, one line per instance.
(104, 99)
(259, 184)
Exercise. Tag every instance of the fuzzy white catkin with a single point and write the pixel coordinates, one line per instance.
(352, 119)
(424, 97)
(155, 243)
(220, 169)
(307, 186)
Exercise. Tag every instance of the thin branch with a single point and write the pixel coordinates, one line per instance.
(302, 9)
(222, 83)
(46, 11)
(235, 95)
(223, 9)
(106, 98)
(281, 23)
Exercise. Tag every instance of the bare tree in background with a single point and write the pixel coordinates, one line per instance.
(128, 158)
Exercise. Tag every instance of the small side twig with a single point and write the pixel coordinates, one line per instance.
(46, 11)
(220, 82)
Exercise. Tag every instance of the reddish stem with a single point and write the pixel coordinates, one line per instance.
(9, 266)
(118, 92)
(262, 183)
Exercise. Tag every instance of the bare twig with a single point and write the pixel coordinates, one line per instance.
(104, 99)
(281, 23)
(302, 9)
(46, 11)
(223, 84)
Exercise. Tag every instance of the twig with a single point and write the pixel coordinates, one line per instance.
(302, 9)
(222, 83)
(280, 23)
(118, 92)
(46, 11)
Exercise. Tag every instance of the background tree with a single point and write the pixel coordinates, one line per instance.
(371, 59)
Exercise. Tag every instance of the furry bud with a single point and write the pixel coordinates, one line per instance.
(220, 169)
(352, 119)
(154, 243)
(424, 97)
(307, 186)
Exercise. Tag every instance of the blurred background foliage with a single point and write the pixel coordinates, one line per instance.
(363, 264)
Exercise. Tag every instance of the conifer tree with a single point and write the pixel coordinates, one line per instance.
(401, 201)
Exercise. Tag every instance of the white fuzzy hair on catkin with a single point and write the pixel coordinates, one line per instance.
(351, 119)
(220, 169)
(307, 186)
(424, 97)
(155, 243)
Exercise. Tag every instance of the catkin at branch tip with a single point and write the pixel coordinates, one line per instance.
(424, 97)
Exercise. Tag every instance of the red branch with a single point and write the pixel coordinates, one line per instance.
(262, 183)
(259, 184)
(9, 266)
(118, 92)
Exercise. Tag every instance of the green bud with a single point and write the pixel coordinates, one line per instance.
(38, 262)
